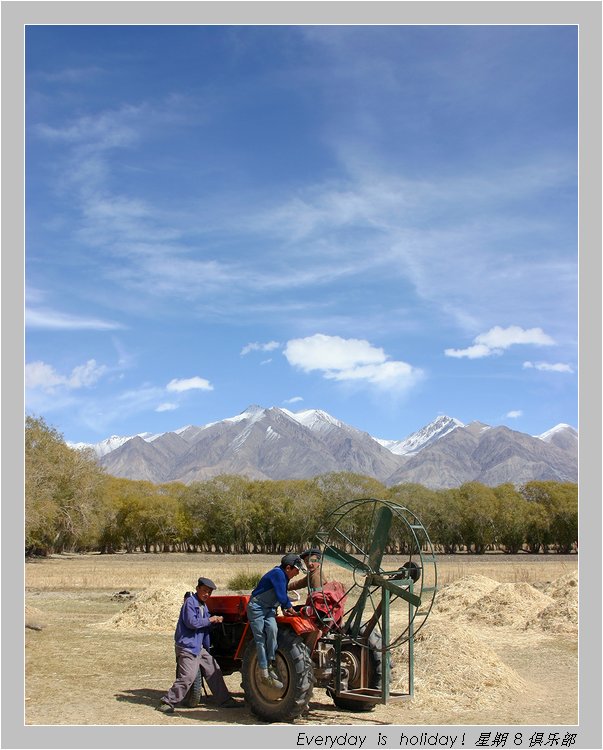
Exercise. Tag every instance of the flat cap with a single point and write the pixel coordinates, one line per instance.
(206, 582)
(311, 551)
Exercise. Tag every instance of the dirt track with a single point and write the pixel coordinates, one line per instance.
(78, 674)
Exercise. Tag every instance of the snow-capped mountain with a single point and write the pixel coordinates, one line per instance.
(274, 443)
(423, 437)
(564, 436)
(112, 443)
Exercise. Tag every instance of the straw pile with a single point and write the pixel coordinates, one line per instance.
(154, 609)
(510, 604)
(34, 618)
(563, 586)
(561, 615)
(456, 670)
(457, 596)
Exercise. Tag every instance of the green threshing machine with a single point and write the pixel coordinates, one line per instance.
(352, 630)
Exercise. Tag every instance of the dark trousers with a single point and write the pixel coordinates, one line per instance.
(187, 665)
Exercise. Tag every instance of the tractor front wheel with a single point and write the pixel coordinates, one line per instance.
(296, 672)
(193, 697)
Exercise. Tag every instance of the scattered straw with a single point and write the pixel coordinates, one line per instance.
(154, 609)
(455, 669)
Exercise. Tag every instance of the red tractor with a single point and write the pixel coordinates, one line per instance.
(341, 637)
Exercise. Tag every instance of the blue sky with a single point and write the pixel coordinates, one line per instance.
(380, 222)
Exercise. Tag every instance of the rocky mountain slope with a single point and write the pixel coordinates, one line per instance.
(273, 443)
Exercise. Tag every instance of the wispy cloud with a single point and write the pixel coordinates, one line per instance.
(514, 414)
(497, 339)
(257, 347)
(53, 320)
(189, 384)
(549, 366)
(40, 375)
(168, 406)
(294, 400)
(350, 360)
(426, 233)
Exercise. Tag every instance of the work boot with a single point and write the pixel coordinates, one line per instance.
(269, 680)
(165, 708)
(273, 672)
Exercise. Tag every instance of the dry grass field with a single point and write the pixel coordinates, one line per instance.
(500, 646)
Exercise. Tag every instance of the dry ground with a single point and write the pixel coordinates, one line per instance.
(470, 669)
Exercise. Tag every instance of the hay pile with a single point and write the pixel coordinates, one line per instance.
(561, 615)
(457, 596)
(564, 586)
(34, 618)
(455, 669)
(510, 604)
(154, 609)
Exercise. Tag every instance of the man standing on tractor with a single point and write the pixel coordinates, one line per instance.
(270, 593)
(192, 651)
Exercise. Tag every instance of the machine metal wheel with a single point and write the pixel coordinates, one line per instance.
(296, 672)
(349, 658)
(379, 551)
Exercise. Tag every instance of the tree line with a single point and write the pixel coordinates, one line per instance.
(71, 504)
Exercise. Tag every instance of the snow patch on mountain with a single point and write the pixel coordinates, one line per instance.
(315, 419)
(112, 443)
(423, 437)
(556, 430)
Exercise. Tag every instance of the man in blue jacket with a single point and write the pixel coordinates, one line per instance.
(192, 651)
(270, 593)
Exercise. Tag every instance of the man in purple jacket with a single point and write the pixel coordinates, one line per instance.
(192, 651)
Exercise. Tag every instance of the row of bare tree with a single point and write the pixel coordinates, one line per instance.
(72, 505)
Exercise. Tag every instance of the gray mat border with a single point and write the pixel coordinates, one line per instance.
(14, 16)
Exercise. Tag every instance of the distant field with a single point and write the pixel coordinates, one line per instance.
(139, 571)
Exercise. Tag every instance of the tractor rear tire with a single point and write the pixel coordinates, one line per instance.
(296, 672)
(193, 697)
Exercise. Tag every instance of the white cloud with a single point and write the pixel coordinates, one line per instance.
(52, 320)
(266, 361)
(503, 338)
(472, 352)
(497, 339)
(39, 375)
(320, 352)
(189, 384)
(351, 361)
(166, 407)
(294, 400)
(548, 367)
(256, 347)
(514, 414)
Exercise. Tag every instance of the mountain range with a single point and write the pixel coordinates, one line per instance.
(275, 443)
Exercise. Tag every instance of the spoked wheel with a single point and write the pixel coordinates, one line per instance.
(295, 670)
(372, 547)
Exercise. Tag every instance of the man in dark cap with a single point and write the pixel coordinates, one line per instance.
(192, 651)
(271, 592)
